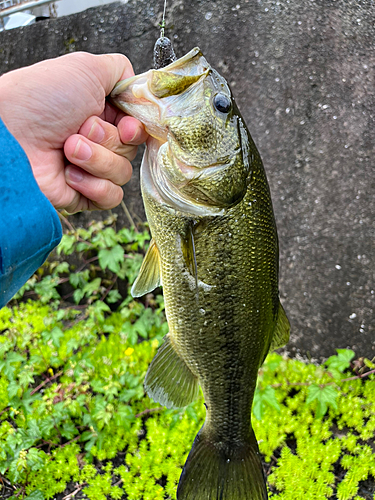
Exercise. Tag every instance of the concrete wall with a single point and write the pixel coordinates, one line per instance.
(303, 76)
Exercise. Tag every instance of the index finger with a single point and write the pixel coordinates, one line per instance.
(110, 69)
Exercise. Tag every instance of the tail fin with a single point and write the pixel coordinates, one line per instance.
(218, 471)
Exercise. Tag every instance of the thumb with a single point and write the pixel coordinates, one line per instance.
(110, 69)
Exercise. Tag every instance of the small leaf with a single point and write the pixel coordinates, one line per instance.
(61, 268)
(13, 388)
(78, 295)
(111, 258)
(14, 357)
(324, 396)
(262, 398)
(35, 495)
(66, 245)
(25, 378)
(92, 286)
(341, 361)
(113, 296)
(191, 413)
(56, 335)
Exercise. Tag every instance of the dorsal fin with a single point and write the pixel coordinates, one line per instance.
(149, 275)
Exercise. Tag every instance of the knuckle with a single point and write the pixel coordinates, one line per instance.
(102, 190)
(126, 172)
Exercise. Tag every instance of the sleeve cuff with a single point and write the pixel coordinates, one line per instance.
(29, 225)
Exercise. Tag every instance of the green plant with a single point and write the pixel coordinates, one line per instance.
(73, 410)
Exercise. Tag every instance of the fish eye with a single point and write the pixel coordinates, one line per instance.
(222, 103)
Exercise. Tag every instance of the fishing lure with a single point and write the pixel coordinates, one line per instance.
(163, 49)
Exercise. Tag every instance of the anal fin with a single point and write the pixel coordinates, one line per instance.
(282, 330)
(169, 381)
(149, 275)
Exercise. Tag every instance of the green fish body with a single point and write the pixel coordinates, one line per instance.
(215, 251)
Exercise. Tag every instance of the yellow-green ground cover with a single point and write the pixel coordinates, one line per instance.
(75, 421)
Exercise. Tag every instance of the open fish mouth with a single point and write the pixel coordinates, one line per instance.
(172, 79)
(154, 96)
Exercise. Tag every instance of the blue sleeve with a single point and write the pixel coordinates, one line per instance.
(29, 225)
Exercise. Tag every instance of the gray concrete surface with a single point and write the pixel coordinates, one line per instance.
(303, 76)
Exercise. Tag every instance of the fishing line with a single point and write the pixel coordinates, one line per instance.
(162, 26)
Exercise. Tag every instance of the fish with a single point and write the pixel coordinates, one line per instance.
(214, 249)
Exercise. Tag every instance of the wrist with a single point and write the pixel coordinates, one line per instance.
(7, 106)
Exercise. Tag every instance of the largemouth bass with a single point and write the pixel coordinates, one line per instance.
(214, 249)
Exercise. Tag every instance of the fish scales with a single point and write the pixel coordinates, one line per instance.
(215, 250)
(223, 314)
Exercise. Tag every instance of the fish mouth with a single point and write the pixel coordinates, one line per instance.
(155, 95)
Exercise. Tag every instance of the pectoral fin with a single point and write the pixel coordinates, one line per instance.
(282, 329)
(149, 275)
(169, 380)
(188, 251)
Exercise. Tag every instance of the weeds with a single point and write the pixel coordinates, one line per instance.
(73, 409)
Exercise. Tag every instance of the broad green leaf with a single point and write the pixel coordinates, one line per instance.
(83, 245)
(124, 415)
(258, 408)
(46, 425)
(127, 394)
(36, 459)
(109, 237)
(75, 279)
(46, 289)
(27, 400)
(141, 328)
(98, 308)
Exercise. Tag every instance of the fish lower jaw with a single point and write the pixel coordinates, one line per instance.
(187, 206)
(176, 200)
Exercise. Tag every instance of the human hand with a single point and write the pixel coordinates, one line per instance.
(79, 146)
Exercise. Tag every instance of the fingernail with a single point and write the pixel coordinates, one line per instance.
(96, 133)
(74, 174)
(82, 151)
(135, 136)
